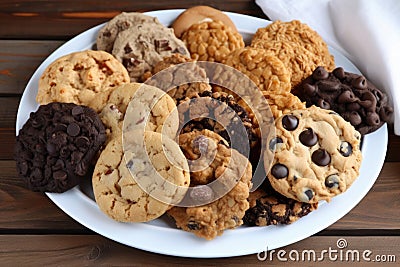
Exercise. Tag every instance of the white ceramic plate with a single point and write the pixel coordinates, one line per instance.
(160, 235)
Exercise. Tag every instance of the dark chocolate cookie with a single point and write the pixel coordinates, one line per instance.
(351, 95)
(56, 147)
(268, 207)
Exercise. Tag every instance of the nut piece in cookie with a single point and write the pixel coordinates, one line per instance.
(268, 207)
(315, 155)
(142, 46)
(138, 179)
(57, 145)
(351, 95)
(198, 14)
(297, 45)
(211, 41)
(79, 77)
(207, 181)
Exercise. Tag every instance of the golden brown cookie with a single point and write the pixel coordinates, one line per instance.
(123, 178)
(79, 77)
(315, 155)
(198, 14)
(283, 102)
(211, 41)
(264, 69)
(138, 106)
(295, 39)
(210, 220)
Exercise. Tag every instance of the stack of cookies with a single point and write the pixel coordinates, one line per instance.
(153, 144)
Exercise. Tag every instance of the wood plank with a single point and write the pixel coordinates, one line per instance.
(61, 20)
(84, 250)
(18, 61)
(22, 209)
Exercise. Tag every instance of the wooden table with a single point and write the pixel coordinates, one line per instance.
(33, 231)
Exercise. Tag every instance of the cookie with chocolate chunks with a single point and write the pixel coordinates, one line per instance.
(351, 95)
(268, 207)
(314, 155)
(56, 147)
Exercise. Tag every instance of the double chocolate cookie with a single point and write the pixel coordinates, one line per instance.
(351, 95)
(57, 145)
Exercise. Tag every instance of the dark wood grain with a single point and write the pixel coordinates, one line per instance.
(40, 20)
(93, 250)
(22, 209)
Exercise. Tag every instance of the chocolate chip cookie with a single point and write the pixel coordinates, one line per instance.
(351, 95)
(138, 179)
(56, 147)
(315, 155)
(141, 46)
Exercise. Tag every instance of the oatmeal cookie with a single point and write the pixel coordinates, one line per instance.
(211, 41)
(264, 69)
(198, 14)
(210, 220)
(315, 155)
(299, 33)
(79, 77)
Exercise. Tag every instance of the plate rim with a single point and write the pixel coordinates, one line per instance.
(202, 248)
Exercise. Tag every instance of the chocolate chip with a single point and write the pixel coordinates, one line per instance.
(359, 83)
(130, 62)
(308, 137)
(320, 73)
(309, 194)
(51, 149)
(323, 104)
(77, 110)
(346, 97)
(353, 106)
(127, 48)
(201, 194)
(129, 164)
(321, 157)
(192, 225)
(60, 127)
(162, 45)
(345, 149)
(332, 181)
(82, 142)
(339, 73)
(73, 129)
(309, 89)
(279, 171)
(275, 143)
(373, 119)
(290, 122)
(37, 122)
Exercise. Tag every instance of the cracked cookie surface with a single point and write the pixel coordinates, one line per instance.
(79, 77)
(123, 179)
